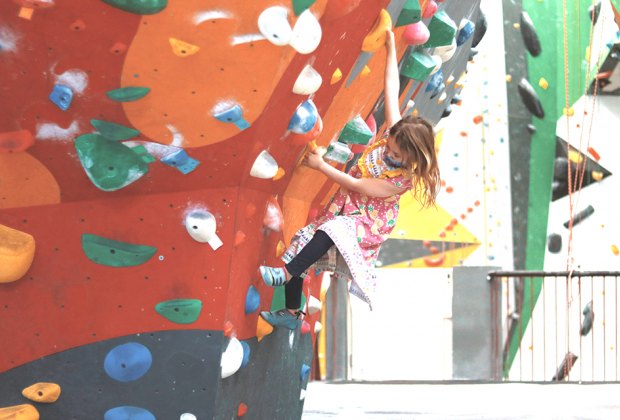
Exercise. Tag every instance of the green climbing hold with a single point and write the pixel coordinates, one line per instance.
(355, 131)
(114, 131)
(140, 7)
(143, 153)
(108, 164)
(128, 94)
(442, 29)
(411, 13)
(300, 5)
(113, 253)
(180, 311)
(418, 66)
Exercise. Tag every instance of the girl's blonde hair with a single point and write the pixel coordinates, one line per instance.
(416, 140)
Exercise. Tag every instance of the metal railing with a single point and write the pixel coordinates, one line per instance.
(555, 326)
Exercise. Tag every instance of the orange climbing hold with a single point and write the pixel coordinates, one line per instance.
(242, 410)
(594, 154)
(16, 254)
(280, 248)
(263, 328)
(15, 141)
(239, 237)
(229, 329)
(477, 119)
(19, 412)
(42, 392)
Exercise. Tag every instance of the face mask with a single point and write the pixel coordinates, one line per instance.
(391, 162)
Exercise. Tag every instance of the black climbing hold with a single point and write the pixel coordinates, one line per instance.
(530, 37)
(594, 11)
(447, 111)
(554, 243)
(581, 216)
(530, 99)
(531, 128)
(456, 99)
(565, 367)
(481, 29)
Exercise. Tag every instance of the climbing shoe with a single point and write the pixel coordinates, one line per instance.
(273, 276)
(282, 318)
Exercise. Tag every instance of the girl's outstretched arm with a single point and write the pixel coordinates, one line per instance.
(392, 82)
(368, 186)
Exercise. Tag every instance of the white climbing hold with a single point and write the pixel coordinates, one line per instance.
(308, 81)
(265, 166)
(317, 327)
(187, 416)
(200, 225)
(314, 305)
(232, 358)
(307, 33)
(302, 395)
(273, 24)
(446, 52)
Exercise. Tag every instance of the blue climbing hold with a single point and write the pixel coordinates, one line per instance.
(246, 353)
(234, 115)
(181, 161)
(305, 118)
(305, 371)
(465, 32)
(128, 412)
(62, 96)
(252, 300)
(128, 362)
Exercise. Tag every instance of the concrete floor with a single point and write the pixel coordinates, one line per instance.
(358, 401)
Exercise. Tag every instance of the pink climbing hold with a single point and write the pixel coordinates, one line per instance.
(305, 327)
(431, 9)
(416, 33)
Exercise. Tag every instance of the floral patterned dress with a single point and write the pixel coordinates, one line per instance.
(358, 225)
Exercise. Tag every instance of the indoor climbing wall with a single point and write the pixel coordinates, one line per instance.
(149, 157)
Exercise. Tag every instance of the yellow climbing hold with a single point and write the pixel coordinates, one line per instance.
(365, 71)
(281, 172)
(280, 248)
(597, 175)
(16, 254)
(614, 250)
(182, 48)
(336, 76)
(575, 156)
(569, 111)
(377, 35)
(42, 392)
(508, 78)
(263, 328)
(19, 412)
(542, 82)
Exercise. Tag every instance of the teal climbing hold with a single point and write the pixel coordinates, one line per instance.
(143, 153)
(355, 131)
(180, 311)
(411, 13)
(300, 5)
(140, 7)
(113, 253)
(108, 164)
(114, 131)
(442, 29)
(128, 94)
(418, 65)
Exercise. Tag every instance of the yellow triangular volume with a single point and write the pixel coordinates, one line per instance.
(417, 223)
(449, 258)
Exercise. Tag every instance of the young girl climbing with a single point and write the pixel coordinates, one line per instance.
(346, 236)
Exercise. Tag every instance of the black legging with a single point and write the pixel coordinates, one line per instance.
(315, 249)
